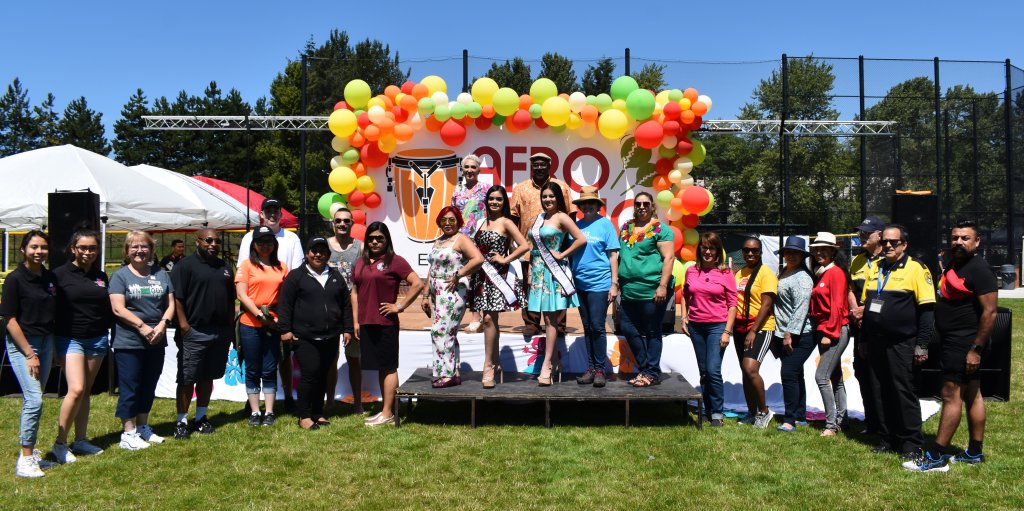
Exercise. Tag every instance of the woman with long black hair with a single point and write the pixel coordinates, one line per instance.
(793, 342)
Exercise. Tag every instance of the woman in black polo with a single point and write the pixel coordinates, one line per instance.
(82, 326)
(313, 310)
(28, 307)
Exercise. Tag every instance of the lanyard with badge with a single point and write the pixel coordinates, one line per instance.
(877, 301)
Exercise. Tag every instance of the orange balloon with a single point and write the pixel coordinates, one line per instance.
(589, 113)
(687, 116)
(525, 101)
(357, 140)
(699, 108)
(661, 183)
(691, 94)
(688, 253)
(386, 125)
(403, 132)
(420, 91)
(359, 169)
(372, 133)
(433, 124)
(408, 103)
(677, 204)
(391, 91)
(487, 111)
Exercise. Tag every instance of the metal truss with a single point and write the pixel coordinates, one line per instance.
(712, 126)
(802, 128)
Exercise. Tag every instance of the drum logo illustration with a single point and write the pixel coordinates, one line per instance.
(424, 182)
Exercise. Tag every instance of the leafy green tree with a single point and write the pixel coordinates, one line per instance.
(810, 93)
(651, 77)
(597, 78)
(514, 74)
(18, 127)
(558, 69)
(133, 144)
(82, 126)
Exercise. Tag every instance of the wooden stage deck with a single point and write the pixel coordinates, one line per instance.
(523, 387)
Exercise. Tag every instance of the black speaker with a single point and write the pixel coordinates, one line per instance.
(995, 364)
(68, 212)
(920, 215)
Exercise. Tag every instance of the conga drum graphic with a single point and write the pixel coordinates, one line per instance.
(424, 184)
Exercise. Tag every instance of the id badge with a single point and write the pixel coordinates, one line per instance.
(876, 306)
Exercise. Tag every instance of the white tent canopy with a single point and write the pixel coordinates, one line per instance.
(129, 199)
(222, 210)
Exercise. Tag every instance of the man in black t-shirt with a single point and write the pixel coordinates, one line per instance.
(204, 301)
(964, 316)
(177, 254)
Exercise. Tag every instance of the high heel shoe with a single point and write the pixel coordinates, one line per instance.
(542, 380)
(488, 378)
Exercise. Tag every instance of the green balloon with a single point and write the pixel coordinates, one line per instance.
(603, 102)
(640, 104)
(350, 156)
(622, 86)
(542, 89)
(473, 110)
(458, 111)
(442, 113)
(675, 95)
(498, 120)
(592, 100)
(664, 198)
(666, 152)
(324, 204)
(535, 111)
(425, 107)
(698, 153)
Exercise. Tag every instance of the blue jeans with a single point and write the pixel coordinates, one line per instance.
(31, 388)
(641, 324)
(138, 371)
(706, 338)
(593, 312)
(794, 391)
(260, 351)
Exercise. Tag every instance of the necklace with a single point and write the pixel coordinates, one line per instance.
(630, 238)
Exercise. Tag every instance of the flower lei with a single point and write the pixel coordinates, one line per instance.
(630, 238)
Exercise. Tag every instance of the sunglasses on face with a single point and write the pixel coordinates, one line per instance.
(751, 250)
(211, 241)
(639, 205)
(376, 239)
(340, 221)
(449, 221)
(894, 243)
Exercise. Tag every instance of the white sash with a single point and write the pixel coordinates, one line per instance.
(504, 284)
(564, 280)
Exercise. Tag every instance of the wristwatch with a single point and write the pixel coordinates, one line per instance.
(977, 348)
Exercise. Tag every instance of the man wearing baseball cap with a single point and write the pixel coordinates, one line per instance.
(870, 234)
(525, 208)
(289, 248)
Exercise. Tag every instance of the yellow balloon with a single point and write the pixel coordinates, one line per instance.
(342, 123)
(542, 89)
(483, 90)
(620, 105)
(587, 130)
(685, 104)
(555, 111)
(365, 184)
(434, 84)
(376, 101)
(612, 124)
(337, 161)
(340, 144)
(661, 98)
(357, 93)
(574, 121)
(506, 101)
(342, 180)
(387, 143)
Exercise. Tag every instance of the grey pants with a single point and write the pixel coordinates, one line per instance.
(829, 377)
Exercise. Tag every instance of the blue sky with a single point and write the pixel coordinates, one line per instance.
(105, 50)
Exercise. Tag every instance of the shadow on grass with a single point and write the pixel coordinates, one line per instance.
(563, 413)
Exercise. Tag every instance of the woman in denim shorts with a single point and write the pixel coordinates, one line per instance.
(29, 301)
(82, 328)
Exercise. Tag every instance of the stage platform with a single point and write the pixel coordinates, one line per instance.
(523, 387)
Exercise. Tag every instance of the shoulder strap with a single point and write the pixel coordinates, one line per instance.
(747, 290)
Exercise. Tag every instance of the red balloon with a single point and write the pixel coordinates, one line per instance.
(684, 146)
(677, 238)
(358, 231)
(679, 294)
(695, 199)
(363, 120)
(341, 104)
(407, 87)
(540, 123)
(372, 156)
(672, 110)
(453, 133)
(372, 200)
(671, 128)
(690, 221)
(521, 119)
(359, 216)
(649, 134)
(400, 114)
(356, 198)
(664, 166)
(482, 123)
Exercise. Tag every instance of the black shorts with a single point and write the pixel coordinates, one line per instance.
(379, 347)
(762, 341)
(202, 356)
(953, 359)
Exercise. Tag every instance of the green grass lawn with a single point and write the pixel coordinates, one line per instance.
(435, 461)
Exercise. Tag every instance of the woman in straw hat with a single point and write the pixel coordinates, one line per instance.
(829, 313)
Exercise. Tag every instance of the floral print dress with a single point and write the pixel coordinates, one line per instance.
(448, 307)
(471, 202)
(545, 292)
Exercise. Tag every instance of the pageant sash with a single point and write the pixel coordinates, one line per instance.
(504, 284)
(564, 280)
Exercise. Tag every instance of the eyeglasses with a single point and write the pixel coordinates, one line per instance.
(894, 243)
(211, 241)
(639, 205)
(702, 248)
(751, 250)
(338, 221)
(449, 221)
(376, 239)
(139, 248)
(87, 248)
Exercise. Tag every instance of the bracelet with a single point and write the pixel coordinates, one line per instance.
(33, 355)
(728, 332)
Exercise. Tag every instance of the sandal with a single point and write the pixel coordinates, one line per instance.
(643, 381)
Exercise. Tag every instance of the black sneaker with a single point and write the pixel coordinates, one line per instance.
(181, 431)
(255, 419)
(968, 458)
(586, 378)
(599, 379)
(203, 426)
(717, 423)
(269, 419)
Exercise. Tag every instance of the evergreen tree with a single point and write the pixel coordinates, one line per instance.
(83, 127)
(597, 78)
(651, 77)
(133, 144)
(46, 122)
(558, 69)
(514, 74)
(19, 131)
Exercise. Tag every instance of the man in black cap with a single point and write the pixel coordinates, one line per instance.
(870, 234)
(289, 252)
(204, 302)
(525, 208)
(289, 248)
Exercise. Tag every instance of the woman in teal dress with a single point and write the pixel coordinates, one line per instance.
(550, 280)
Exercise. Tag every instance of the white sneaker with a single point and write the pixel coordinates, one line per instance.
(84, 447)
(28, 466)
(149, 436)
(62, 454)
(132, 441)
(43, 464)
(764, 419)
